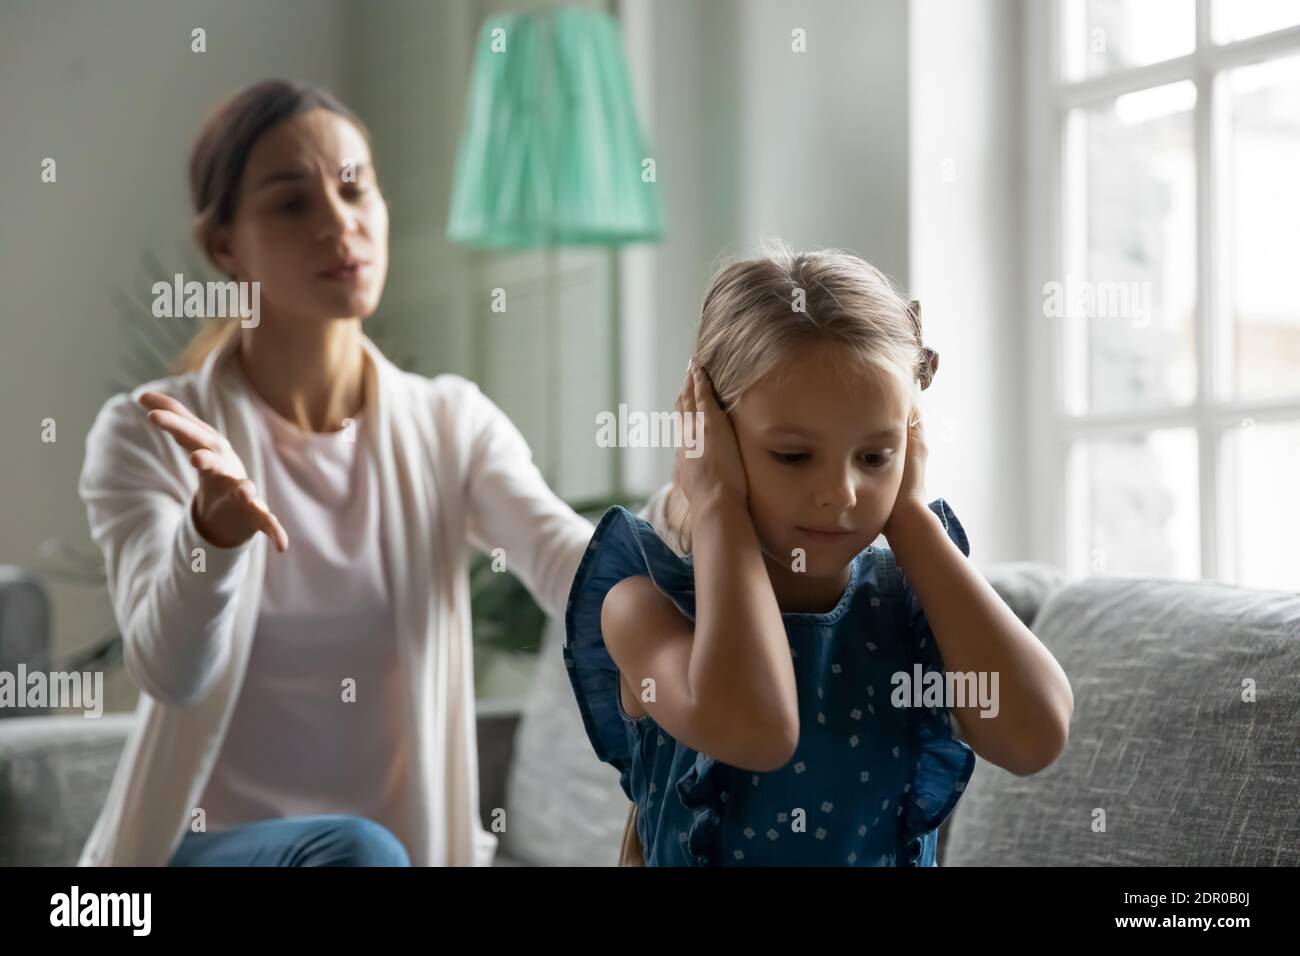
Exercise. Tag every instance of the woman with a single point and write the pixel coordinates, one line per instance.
(313, 705)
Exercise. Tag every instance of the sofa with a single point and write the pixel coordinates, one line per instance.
(1183, 747)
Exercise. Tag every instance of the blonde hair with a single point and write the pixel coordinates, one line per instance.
(751, 321)
(211, 337)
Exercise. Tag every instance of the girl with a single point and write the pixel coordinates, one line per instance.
(313, 705)
(748, 692)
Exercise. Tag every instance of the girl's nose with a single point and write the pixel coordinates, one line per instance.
(838, 494)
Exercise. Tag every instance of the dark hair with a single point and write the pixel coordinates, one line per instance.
(217, 161)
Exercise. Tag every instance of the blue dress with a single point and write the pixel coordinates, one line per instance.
(869, 783)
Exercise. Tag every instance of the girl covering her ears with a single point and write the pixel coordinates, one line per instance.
(745, 689)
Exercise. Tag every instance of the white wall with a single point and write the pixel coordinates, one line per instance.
(822, 154)
(845, 145)
(755, 140)
(966, 262)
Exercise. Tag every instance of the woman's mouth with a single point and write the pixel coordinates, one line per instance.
(349, 271)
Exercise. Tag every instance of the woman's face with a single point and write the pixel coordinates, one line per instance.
(309, 205)
(824, 443)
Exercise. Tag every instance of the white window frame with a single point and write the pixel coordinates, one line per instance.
(1048, 101)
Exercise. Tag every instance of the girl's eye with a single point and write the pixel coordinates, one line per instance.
(789, 458)
(798, 457)
(297, 204)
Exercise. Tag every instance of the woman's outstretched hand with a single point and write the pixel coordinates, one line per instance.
(714, 470)
(227, 511)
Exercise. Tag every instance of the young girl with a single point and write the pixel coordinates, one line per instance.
(751, 692)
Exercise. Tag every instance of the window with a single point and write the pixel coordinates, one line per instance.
(1166, 138)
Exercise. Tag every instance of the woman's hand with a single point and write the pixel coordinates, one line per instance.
(716, 472)
(227, 511)
(911, 492)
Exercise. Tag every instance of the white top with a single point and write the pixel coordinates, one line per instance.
(320, 723)
(452, 472)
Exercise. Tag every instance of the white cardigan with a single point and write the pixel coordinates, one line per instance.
(454, 471)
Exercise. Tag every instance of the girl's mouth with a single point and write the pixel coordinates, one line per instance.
(825, 535)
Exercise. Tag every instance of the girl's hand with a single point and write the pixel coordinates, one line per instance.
(912, 490)
(227, 511)
(717, 470)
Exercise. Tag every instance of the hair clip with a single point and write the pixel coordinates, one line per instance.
(931, 366)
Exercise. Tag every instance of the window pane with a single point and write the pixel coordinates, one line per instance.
(1102, 36)
(1134, 505)
(1261, 475)
(1239, 19)
(1130, 286)
(1263, 278)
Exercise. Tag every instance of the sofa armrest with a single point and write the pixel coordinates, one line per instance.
(497, 723)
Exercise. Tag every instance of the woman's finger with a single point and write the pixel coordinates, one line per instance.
(269, 523)
(206, 461)
(259, 513)
(245, 492)
(186, 432)
(157, 400)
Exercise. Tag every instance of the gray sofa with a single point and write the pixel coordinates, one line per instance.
(55, 772)
(1183, 747)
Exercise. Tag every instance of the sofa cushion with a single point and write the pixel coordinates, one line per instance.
(1024, 585)
(54, 775)
(1185, 771)
(24, 629)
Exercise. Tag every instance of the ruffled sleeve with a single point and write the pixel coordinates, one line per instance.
(700, 790)
(622, 546)
(944, 762)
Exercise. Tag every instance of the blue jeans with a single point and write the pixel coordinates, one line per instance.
(332, 839)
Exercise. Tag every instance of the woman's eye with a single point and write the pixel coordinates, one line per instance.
(880, 460)
(297, 204)
(789, 458)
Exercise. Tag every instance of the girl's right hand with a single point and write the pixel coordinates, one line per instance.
(227, 511)
(718, 471)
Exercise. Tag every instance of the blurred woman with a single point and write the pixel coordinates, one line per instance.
(286, 524)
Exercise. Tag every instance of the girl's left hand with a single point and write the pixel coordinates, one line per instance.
(912, 490)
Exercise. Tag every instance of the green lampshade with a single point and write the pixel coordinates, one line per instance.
(551, 153)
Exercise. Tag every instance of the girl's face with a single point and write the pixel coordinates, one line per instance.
(824, 444)
(308, 206)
